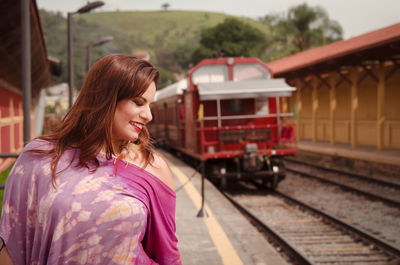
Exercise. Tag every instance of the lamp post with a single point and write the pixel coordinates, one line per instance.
(94, 44)
(84, 9)
(26, 67)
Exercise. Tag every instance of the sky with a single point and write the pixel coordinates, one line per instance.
(355, 16)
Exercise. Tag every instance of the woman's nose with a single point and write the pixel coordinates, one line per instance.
(146, 114)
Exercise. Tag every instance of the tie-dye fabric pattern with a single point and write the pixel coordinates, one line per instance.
(89, 218)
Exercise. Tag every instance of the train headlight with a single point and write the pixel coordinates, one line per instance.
(275, 169)
(223, 171)
(273, 152)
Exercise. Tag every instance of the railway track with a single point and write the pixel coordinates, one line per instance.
(370, 187)
(309, 236)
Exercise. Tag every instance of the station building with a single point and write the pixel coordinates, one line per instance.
(11, 106)
(348, 92)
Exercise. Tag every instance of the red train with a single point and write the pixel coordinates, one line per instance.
(230, 114)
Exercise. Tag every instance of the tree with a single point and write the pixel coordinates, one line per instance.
(303, 28)
(230, 38)
(165, 6)
(182, 55)
(312, 26)
(166, 77)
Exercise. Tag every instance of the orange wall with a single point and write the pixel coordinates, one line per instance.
(366, 112)
(10, 121)
(11, 124)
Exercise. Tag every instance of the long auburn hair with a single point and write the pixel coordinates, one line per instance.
(88, 124)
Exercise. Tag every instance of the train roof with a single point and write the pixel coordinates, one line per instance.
(245, 89)
(231, 89)
(171, 90)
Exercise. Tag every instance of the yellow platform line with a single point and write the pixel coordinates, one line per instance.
(221, 241)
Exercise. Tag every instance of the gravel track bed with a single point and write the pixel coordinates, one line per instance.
(373, 216)
(363, 185)
(320, 242)
(383, 176)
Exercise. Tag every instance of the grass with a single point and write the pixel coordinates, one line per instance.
(3, 178)
(163, 27)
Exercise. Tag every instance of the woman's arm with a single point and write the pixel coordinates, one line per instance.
(161, 242)
(161, 170)
(5, 258)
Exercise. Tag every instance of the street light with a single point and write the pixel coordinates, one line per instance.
(84, 9)
(26, 67)
(94, 44)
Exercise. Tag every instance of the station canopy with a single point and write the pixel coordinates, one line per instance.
(367, 49)
(245, 89)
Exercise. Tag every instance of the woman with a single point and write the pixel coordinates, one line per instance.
(94, 191)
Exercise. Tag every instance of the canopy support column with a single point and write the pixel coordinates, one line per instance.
(380, 107)
(332, 109)
(299, 107)
(314, 110)
(354, 107)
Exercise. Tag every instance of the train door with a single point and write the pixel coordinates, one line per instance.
(190, 123)
(166, 117)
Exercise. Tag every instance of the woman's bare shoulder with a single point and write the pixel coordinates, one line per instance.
(160, 169)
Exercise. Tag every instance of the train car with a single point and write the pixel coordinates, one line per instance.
(230, 115)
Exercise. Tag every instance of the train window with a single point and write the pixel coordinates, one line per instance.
(249, 71)
(240, 106)
(235, 106)
(262, 107)
(211, 74)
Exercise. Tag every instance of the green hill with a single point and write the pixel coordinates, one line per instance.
(160, 33)
(151, 29)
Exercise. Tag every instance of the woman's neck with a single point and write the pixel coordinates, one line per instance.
(126, 151)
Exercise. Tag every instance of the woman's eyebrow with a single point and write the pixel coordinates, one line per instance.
(142, 98)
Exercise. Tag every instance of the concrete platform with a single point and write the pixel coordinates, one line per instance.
(225, 236)
(367, 153)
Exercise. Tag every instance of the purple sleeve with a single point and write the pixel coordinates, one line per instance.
(161, 241)
(16, 208)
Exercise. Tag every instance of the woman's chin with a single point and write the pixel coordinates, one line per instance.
(133, 138)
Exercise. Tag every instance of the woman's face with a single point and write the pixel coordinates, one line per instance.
(131, 115)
